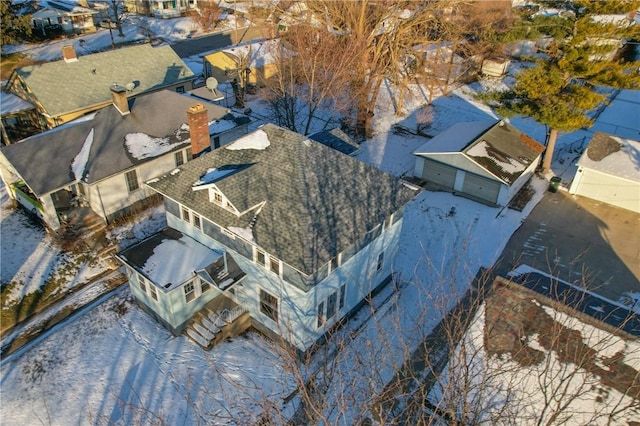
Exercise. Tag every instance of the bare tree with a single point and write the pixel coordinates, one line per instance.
(207, 15)
(313, 66)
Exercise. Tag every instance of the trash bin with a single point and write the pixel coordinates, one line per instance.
(554, 184)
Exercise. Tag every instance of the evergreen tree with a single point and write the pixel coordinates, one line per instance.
(15, 27)
(559, 90)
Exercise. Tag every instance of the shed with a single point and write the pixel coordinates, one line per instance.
(609, 171)
(487, 161)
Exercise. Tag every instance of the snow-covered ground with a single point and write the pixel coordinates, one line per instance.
(116, 365)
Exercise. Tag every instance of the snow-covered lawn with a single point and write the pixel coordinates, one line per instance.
(30, 257)
(115, 364)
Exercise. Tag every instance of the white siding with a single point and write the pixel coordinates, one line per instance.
(297, 310)
(607, 188)
(111, 194)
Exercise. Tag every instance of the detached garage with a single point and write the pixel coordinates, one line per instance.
(487, 161)
(609, 171)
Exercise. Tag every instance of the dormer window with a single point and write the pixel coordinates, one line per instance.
(217, 197)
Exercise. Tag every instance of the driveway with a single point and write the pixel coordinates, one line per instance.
(581, 241)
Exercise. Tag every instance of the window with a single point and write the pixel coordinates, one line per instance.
(274, 265)
(186, 216)
(269, 305)
(142, 283)
(180, 89)
(228, 233)
(153, 292)
(132, 180)
(189, 292)
(204, 286)
(197, 222)
(331, 305)
(388, 221)
(334, 263)
(320, 314)
(327, 309)
(380, 261)
(260, 258)
(217, 197)
(179, 158)
(189, 154)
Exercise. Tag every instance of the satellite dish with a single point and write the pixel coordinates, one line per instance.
(130, 86)
(212, 83)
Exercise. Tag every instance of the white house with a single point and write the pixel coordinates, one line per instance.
(609, 171)
(486, 160)
(291, 231)
(100, 161)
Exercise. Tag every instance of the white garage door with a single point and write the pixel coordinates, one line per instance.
(609, 189)
(439, 173)
(481, 187)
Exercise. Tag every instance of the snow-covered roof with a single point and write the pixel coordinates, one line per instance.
(170, 258)
(613, 155)
(260, 53)
(456, 137)
(10, 104)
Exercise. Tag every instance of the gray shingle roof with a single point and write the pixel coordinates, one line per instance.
(44, 161)
(317, 201)
(63, 87)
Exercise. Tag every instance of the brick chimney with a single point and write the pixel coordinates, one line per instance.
(120, 101)
(198, 119)
(69, 53)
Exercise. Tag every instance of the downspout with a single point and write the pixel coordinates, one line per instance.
(104, 213)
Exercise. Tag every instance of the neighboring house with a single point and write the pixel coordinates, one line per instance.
(289, 230)
(71, 17)
(19, 118)
(487, 161)
(101, 160)
(167, 9)
(609, 171)
(64, 90)
(548, 351)
(260, 59)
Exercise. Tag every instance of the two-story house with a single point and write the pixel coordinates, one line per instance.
(101, 161)
(291, 231)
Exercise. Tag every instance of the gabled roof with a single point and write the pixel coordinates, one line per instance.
(11, 104)
(107, 143)
(314, 201)
(65, 7)
(613, 155)
(62, 87)
(497, 147)
(336, 139)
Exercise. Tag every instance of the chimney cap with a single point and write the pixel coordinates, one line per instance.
(196, 108)
(117, 88)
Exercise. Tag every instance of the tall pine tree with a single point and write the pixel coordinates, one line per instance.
(15, 26)
(559, 90)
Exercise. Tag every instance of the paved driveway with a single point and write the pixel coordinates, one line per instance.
(580, 241)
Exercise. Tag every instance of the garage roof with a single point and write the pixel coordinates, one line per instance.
(613, 155)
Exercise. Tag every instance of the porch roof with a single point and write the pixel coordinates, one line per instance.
(169, 258)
